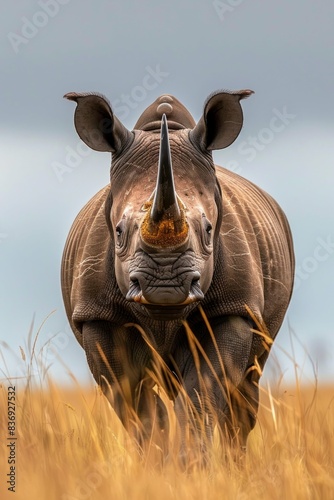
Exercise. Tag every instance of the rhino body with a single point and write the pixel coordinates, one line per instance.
(178, 272)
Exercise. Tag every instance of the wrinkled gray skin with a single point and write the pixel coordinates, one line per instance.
(127, 289)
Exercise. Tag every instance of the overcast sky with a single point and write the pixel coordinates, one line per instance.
(133, 52)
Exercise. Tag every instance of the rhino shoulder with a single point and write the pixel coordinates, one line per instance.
(87, 268)
(256, 259)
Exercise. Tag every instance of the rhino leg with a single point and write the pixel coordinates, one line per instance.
(242, 409)
(218, 387)
(117, 358)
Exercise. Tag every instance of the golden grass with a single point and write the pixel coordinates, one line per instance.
(71, 446)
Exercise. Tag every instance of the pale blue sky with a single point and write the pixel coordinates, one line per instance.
(133, 52)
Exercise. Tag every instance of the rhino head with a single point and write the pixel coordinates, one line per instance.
(164, 208)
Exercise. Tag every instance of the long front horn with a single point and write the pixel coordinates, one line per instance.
(165, 199)
(165, 224)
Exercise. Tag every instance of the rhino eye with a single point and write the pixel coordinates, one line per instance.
(121, 237)
(120, 229)
(207, 227)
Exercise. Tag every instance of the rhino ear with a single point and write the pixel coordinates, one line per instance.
(97, 125)
(221, 121)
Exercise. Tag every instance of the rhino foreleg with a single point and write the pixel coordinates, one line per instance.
(218, 385)
(118, 366)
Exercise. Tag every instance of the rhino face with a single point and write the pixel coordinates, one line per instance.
(165, 214)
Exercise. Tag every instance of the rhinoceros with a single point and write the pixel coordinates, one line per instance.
(178, 273)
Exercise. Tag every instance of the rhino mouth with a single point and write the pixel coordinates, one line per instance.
(142, 300)
(165, 295)
(164, 285)
(162, 310)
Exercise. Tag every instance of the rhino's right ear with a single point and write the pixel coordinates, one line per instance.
(221, 121)
(97, 125)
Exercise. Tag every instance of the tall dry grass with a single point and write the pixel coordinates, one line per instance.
(71, 446)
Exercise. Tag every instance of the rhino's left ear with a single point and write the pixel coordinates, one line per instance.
(221, 121)
(97, 125)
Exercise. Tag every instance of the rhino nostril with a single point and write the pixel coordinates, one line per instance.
(195, 287)
(134, 289)
(195, 278)
(135, 284)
